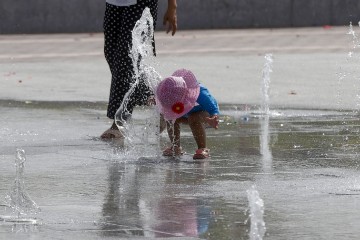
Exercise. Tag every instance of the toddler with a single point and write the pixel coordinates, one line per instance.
(181, 99)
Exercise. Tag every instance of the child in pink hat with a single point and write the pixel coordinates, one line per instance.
(181, 99)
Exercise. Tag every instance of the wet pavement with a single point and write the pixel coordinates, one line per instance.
(302, 158)
(303, 163)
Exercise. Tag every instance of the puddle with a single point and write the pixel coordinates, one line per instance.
(308, 178)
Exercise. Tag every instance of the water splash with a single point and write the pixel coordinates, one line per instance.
(142, 56)
(265, 150)
(354, 56)
(265, 111)
(171, 130)
(266, 84)
(355, 39)
(347, 72)
(18, 199)
(256, 205)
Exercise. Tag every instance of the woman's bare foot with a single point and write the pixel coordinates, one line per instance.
(112, 133)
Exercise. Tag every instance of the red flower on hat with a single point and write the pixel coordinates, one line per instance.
(178, 107)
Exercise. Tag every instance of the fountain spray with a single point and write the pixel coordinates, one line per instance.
(142, 56)
(266, 84)
(17, 198)
(256, 206)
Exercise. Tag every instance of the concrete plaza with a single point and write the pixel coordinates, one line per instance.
(302, 159)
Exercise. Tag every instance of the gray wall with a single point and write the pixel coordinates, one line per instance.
(66, 16)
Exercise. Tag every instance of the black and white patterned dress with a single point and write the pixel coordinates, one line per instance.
(119, 22)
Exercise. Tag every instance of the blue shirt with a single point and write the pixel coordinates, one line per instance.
(206, 103)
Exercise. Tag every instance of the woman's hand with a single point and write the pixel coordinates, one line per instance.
(170, 18)
(213, 121)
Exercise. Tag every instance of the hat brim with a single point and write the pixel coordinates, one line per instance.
(191, 96)
(191, 83)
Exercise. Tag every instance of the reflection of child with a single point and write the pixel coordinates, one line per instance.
(181, 217)
(181, 98)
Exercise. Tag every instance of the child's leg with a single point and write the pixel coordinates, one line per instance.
(162, 123)
(174, 135)
(196, 122)
(173, 132)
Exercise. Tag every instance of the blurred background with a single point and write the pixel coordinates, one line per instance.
(70, 16)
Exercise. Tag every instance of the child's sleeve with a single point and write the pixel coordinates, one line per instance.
(207, 101)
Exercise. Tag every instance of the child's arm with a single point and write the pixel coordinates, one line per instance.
(209, 103)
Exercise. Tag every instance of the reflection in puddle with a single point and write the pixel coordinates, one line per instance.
(129, 210)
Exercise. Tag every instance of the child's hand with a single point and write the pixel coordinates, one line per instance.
(213, 121)
(151, 101)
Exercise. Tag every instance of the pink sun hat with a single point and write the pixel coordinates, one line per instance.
(176, 95)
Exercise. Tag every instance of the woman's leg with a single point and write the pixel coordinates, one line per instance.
(123, 71)
(112, 30)
(117, 30)
(118, 25)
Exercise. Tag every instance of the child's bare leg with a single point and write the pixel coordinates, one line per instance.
(162, 123)
(196, 122)
(174, 133)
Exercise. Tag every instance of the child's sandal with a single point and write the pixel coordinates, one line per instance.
(169, 152)
(202, 153)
